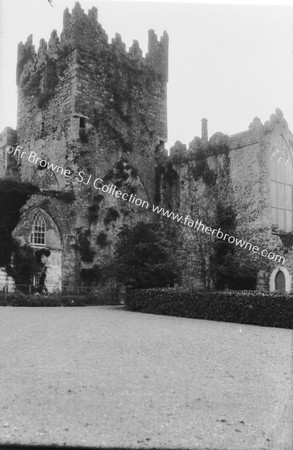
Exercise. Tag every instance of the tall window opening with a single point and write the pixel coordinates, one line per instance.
(280, 281)
(38, 234)
(281, 189)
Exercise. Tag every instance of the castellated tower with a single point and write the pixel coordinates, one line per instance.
(84, 96)
(90, 106)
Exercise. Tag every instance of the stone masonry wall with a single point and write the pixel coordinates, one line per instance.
(244, 186)
(89, 105)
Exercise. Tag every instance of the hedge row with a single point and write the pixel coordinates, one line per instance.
(19, 299)
(247, 307)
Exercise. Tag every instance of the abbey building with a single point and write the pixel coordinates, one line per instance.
(91, 114)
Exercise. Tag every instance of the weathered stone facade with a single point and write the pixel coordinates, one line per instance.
(238, 178)
(98, 114)
(93, 109)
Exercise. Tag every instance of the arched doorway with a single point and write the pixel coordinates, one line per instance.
(280, 281)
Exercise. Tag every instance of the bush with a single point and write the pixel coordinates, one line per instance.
(143, 256)
(20, 299)
(86, 297)
(247, 307)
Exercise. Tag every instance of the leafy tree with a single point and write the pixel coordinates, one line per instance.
(225, 263)
(142, 256)
(24, 264)
(13, 196)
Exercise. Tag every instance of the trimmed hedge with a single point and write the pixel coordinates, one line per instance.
(247, 307)
(101, 297)
(20, 299)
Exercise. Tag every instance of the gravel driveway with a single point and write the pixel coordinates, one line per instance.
(104, 376)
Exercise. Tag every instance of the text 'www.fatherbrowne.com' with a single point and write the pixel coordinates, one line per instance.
(218, 233)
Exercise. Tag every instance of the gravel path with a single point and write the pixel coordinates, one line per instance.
(103, 376)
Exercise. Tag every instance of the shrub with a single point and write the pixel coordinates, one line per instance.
(87, 296)
(247, 307)
(13, 196)
(25, 263)
(142, 256)
(90, 276)
(20, 299)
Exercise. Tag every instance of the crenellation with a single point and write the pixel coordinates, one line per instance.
(178, 150)
(8, 137)
(93, 13)
(158, 52)
(117, 43)
(276, 120)
(83, 30)
(26, 55)
(135, 51)
(54, 44)
(42, 52)
(66, 18)
(152, 42)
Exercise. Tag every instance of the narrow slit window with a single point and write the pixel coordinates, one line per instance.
(82, 122)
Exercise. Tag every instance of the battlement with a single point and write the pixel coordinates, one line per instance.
(8, 137)
(82, 31)
(158, 51)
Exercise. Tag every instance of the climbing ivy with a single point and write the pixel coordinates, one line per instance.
(42, 83)
(84, 246)
(123, 174)
(202, 169)
(101, 239)
(94, 208)
(111, 215)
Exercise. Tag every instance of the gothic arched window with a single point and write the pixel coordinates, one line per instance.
(38, 234)
(281, 188)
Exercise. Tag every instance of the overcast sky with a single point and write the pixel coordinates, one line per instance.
(228, 63)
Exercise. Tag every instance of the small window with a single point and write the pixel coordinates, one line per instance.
(42, 127)
(38, 234)
(82, 122)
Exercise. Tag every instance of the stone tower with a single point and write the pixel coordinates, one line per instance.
(83, 95)
(88, 106)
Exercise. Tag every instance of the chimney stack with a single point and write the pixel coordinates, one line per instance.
(204, 130)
